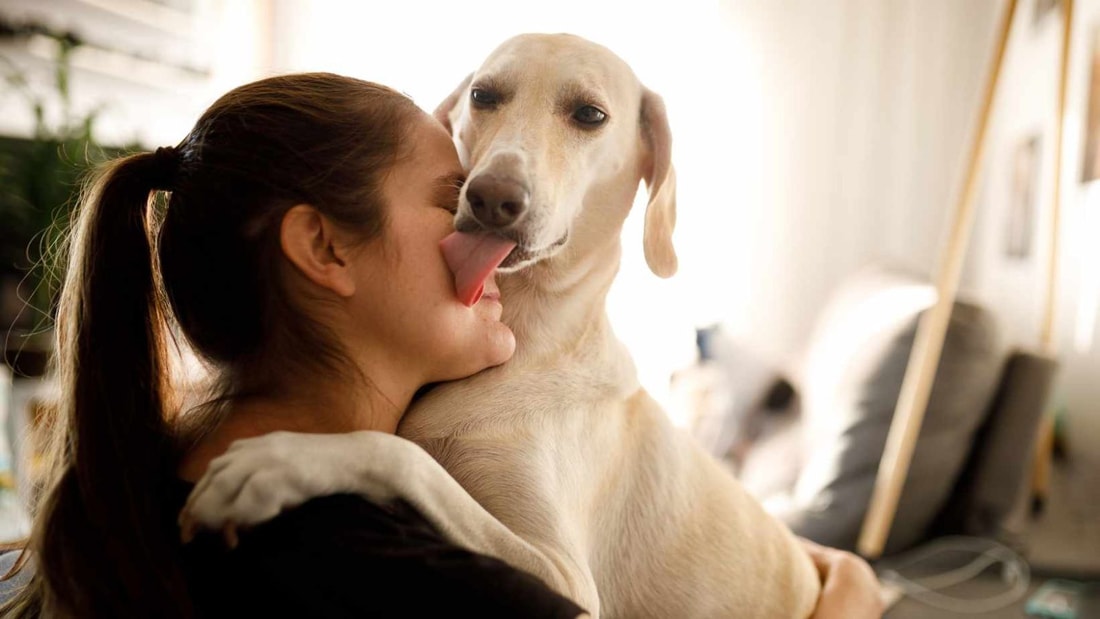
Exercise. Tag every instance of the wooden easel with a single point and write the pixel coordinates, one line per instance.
(928, 345)
(1044, 447)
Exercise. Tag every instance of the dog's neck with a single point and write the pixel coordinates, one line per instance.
(556, 307)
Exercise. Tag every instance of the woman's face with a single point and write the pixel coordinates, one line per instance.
(406, 294)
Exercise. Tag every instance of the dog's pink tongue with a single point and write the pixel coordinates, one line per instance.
(473, 258)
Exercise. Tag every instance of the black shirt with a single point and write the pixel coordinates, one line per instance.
(343, 556)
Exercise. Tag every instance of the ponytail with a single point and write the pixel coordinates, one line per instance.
(103, 539)
(103, 542)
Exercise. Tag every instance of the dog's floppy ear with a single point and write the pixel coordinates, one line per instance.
(660, 178)
(445, 112)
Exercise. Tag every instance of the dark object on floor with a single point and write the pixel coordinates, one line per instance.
(1057, 599)
(779, 396)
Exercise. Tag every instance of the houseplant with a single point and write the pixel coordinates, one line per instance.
(39, 178)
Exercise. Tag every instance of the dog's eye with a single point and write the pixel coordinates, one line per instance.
(483, 98)
(589, 115)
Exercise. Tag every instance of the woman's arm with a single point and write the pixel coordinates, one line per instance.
(258, 478)
(343, 556)
(849, 589)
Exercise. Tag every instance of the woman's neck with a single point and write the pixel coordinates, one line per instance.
(322, 408)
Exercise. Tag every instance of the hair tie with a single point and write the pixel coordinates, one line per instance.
(166, 163)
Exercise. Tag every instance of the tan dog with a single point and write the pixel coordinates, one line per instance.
(612, 506)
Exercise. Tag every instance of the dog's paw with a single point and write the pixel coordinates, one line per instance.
(258, 478)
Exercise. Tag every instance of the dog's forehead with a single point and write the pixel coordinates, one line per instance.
(559, 62)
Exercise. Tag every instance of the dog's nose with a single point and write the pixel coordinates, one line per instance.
(496, 202)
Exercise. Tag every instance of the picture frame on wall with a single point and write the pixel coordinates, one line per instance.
(1090, 162)
(1043, 9)
(1023, 196)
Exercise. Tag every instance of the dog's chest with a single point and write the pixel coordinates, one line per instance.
(500, 401)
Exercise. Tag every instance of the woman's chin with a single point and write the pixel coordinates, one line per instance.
(495, 347)
(502, 345)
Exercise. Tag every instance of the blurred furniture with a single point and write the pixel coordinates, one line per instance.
(8, 588)
(1044, 442)
(921, 374)
(14, 522)
(814, 464)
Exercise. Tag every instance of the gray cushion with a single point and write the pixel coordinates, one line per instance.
(993, 479)
(855, 367)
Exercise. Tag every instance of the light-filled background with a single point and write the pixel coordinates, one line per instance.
(810, 138)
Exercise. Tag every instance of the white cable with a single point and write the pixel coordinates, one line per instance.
(1015, 572)
(987, 549)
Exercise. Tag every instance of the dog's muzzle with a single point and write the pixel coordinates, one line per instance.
(500, 204)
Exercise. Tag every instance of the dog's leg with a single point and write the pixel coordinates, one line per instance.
(538, 502)
(260, 477)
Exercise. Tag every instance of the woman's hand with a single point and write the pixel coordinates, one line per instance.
(849, 588)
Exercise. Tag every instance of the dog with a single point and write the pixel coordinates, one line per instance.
(557, 462)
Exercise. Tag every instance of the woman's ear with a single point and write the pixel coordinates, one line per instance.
(310, 241)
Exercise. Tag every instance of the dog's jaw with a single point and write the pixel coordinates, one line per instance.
(524, 255)
(521, 258)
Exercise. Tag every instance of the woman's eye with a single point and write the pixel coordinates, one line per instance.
(483, 98)
(447, 196)
(590, 115)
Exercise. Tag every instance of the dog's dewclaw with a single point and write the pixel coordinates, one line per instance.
(473, 258)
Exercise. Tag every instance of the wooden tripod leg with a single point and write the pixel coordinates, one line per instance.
(925, 357)
(1044, 446)
(1040, 469)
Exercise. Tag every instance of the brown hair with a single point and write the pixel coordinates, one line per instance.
(105, 533)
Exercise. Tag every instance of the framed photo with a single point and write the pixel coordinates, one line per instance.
(1044, 8)
(1022, 197)
(1090, 169)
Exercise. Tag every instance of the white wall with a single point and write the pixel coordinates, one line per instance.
(811, 136)
(871, 109)
(682, 51)
(139, 101)
(868, 107)
(1080, 390)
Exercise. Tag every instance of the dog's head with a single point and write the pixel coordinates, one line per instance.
(556, 132)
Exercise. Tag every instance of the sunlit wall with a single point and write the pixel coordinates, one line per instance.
(682, 50)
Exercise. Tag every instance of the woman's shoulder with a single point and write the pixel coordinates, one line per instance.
(341, 523)
(343, 555)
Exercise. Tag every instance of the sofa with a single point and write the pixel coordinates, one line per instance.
(806, 439)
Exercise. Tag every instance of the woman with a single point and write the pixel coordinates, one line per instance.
(298, 255)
